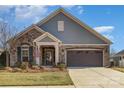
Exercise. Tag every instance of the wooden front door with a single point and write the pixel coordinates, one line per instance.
(48, 56)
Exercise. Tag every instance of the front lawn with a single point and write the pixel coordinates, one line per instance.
(35, 79)
(121, 69)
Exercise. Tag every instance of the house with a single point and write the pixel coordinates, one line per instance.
(60, 37)
(118, 59)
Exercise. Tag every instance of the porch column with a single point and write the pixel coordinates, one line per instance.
(56, 54)
(37, 55)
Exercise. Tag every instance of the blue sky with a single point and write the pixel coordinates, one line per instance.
(107, 20)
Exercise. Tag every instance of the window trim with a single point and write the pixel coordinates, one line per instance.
(24, 49)
(60, 28)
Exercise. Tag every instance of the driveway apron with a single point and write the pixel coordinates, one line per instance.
(96, 77)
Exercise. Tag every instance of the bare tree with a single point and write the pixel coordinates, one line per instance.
(6, 32)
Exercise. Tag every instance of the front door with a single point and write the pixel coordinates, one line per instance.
(48, 56)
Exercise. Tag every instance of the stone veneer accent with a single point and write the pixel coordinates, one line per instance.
(27, 38)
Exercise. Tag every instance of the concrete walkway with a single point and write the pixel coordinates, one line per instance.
(96, 77)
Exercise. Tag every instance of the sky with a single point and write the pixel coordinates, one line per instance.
(107, 20)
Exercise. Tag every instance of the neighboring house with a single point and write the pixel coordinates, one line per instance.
(60, 37)
(118, 59)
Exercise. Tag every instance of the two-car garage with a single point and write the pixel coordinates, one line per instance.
(84, 58)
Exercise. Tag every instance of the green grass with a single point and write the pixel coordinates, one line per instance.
(121, 69)
(34, 79)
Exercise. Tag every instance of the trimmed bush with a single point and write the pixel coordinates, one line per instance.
(33, 63)
(61, 65)
(17, 64)
(24, 65)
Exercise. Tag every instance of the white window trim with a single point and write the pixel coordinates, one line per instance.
(60, 26)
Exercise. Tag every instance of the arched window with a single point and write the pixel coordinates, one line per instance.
(25, 53)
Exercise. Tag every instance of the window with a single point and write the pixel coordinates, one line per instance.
(25, 53)
(60, 25)
(120, 58)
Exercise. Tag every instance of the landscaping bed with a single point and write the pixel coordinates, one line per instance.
(26, 74)
(34, 79)
(121, 69)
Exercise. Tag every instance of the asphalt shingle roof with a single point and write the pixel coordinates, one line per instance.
(120, 53)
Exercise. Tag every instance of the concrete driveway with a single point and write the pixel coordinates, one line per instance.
(97, 77)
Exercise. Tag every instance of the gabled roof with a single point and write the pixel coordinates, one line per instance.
(33, 26)
(61, 10)
(120, 53)
(45, 35)
(30, 28)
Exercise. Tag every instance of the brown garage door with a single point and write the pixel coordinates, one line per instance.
(84, 58)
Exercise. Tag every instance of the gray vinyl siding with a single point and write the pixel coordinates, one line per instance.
(73, 32)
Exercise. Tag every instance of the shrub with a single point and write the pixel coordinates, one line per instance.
(33, 63)
(24, 65)
(61, 65)
(17, 64)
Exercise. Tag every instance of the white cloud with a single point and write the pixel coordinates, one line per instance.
(80, 9)
(6, 8)
(30, 12)
(1, 19)
(104, 29)
(33, 12)
(109, 37)
(68, 6)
